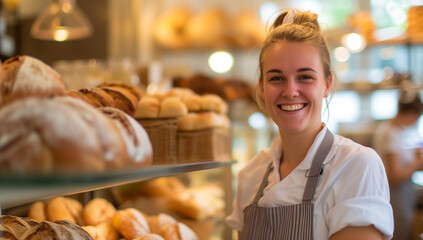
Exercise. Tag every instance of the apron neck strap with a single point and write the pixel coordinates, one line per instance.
(263, 184)
(316, 166)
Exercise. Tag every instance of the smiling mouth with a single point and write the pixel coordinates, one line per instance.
(291, 107)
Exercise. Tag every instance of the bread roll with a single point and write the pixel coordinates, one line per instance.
(138, 145)
(97, 211)
(97, 97)
(212, 102)
(63, 208)
(131, 223)
(124, 99)
(37, 211)
(172, 107)
(42, 135)
(193, 103)
(25, 76)
(148, 107)
(180, 92)
(102, 231)
(160, 221)
(56, 230)
(12, 227)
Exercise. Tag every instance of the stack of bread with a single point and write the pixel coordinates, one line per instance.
(181, 27)
(201, 115)
(42, 130)
(102, 221)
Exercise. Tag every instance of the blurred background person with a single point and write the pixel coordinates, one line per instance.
(401, 160)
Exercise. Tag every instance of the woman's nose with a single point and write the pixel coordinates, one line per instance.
(291, 89)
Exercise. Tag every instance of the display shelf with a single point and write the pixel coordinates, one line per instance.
(16, 189)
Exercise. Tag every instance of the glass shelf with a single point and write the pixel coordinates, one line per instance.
(16, 190)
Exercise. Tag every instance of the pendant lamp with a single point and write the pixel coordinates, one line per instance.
(61, 21)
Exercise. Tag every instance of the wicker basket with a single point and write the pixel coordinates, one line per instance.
(162, 133)
(204, 145)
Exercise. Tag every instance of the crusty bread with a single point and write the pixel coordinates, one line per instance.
(12, 227)
(97, 211)
(214, 103)
(56, 230)
(40, 135)
(202, 120)
(131, 88)
(97, 97)
(130, 223)
(25, 76)
(123, 99)
(138, 145)
(102, 231)
(150, 236)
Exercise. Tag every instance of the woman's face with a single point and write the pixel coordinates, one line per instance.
(293, 86)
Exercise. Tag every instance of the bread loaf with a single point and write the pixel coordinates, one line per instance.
(138, 145)
(150, 236)
(102, 231)
(129, 87)
(172, 107)
(25, 76)
(202, 120)
(56, 230)
(131, 223)
(41, 135)
(97, 97)
(97, 211)
(62, 134)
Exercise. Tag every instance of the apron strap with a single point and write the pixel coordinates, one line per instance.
(316, 166)
(263, 184)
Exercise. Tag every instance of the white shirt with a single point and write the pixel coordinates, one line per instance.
(352, 190)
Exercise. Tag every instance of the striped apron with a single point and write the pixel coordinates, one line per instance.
(286, 222)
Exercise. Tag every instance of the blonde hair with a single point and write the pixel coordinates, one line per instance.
(302, 28)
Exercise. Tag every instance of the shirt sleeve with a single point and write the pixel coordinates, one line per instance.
(360, 195)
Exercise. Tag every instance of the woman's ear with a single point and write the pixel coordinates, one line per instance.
(328, 85)
(261, 88)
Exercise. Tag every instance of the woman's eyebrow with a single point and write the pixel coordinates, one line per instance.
(274, 71)
(306, 69)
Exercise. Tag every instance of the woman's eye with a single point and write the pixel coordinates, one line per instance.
(275, 78)
(306, 77)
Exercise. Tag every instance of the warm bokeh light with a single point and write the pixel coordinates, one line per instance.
(341, 54)
(354, 42)
(221, 61)
(61, 35)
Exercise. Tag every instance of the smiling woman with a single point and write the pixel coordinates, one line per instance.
(328, 186)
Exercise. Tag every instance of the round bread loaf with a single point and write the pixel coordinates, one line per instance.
(137, 142)
(56, 230)
(212, 102)
(97, 211)
(130, 223)
(25, 76)
(12, 227)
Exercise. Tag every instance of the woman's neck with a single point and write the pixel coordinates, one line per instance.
(295, 147)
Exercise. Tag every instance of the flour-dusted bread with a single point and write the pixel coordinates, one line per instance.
(12, 227)
(25, 76)
(59, 230)
(131, 223)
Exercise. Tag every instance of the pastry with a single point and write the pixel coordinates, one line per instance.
(164, 186)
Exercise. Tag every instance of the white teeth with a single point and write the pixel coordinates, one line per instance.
(292, 107)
